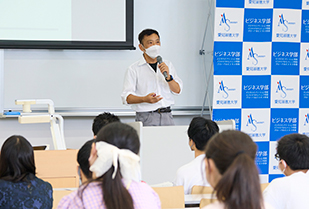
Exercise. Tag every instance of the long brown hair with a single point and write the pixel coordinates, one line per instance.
(233, 153)
(123, 136)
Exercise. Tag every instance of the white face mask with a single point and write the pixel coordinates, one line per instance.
(153, 51)
(284, 165)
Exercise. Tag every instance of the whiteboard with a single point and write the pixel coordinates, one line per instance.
(66, 24)
(94, 78)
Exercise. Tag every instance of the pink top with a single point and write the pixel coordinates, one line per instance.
(143, 197)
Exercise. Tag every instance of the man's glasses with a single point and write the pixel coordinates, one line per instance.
(277, 157)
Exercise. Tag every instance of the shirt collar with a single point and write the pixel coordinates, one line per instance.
(142, 61)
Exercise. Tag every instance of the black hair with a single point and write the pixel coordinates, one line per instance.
(123, 136)
(233, 153)
(102, 120)
(17, 160)
(294, 150)
(146, 32)
(201, 130)
(83, 156)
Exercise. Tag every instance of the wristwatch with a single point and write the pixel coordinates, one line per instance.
(170, 78)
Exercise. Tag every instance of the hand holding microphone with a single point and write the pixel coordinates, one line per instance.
(163, 67)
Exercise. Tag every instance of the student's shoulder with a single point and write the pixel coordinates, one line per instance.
(41, 183)
(5, 184)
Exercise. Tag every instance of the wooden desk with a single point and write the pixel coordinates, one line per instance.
(193, 200)
(58, 167)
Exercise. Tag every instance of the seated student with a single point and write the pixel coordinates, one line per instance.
(193, 173)
(102, 120)
(231, 171)
(84, 152)
(291, 191)
(19, 187)
(115, 164)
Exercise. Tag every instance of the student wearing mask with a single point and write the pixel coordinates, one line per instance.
(291, 191)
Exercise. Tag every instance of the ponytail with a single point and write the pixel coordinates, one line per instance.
(115, 195)
(239, 186)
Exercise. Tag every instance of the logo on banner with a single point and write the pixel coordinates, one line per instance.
(253, 123)
(282, 89)
(224, 90)
(306, 120)
(226, 22)
(307, 53)
(284, 23)
(253, 56)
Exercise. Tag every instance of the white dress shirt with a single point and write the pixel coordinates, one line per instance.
(141, 79)
(289, 192)
(192, 174)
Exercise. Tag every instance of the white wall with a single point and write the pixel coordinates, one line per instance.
(181, 24)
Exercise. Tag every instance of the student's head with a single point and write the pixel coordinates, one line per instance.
(82, 159)
(102, 120)
(231, 170)
(200, 131)
(293, 152)
(120, 135)
(125, 138)
(16, 159)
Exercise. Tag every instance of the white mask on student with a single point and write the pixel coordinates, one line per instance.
(153, 51)
(284, 165)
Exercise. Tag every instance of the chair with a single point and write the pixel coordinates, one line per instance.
(58, 167)
(201, 190)
(171, 197)
(263, 186)
(205, 202)
(226, 125)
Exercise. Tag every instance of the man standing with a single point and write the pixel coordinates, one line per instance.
(146, 88)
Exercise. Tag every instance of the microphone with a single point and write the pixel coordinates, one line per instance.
(159, 59)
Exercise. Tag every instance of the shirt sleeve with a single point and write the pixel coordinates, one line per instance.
(176, 78)
(180, 181)
(129, 85)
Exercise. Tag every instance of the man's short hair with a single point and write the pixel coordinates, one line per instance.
(294, 150)
(201, 130)
(102, 120)
(146, 32)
